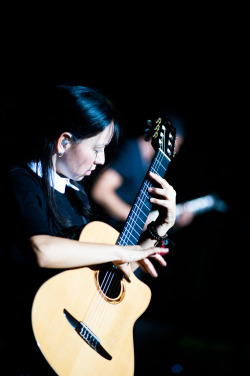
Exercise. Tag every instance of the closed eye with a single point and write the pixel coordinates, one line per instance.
(99, 150)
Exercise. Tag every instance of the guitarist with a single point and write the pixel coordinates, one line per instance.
(48, 207)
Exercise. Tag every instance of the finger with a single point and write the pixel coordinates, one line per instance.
(159, 179)
(166, 192)
(140, 264)
(150, 268)
(160, 259)
(166, 202)
(154, 251)
(125, 268)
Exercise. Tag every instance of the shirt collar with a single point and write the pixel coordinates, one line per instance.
(56, 181)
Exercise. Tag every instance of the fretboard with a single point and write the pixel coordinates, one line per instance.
(140, 210)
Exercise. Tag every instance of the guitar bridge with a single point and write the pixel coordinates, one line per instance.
(87, 335)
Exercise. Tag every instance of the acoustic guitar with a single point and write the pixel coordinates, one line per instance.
(83, 318)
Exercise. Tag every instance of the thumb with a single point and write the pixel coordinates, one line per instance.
(125, 268)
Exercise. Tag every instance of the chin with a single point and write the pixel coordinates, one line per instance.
(80, 178)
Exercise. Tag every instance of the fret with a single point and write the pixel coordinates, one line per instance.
(142, 206)
(163, 138)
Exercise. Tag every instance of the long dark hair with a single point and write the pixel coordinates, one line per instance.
(83, 112)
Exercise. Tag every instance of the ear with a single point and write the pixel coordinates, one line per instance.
(63, 142)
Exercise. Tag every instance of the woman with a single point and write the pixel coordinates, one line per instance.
(49, 207)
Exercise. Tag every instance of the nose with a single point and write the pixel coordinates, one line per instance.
(100, 158)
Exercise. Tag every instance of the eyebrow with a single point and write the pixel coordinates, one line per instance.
(104, 145)
(101, 145)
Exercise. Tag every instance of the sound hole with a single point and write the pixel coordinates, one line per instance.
(110, 284)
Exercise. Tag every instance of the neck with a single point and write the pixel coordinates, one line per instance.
(142, 206)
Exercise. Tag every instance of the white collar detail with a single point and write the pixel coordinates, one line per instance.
(56, 181)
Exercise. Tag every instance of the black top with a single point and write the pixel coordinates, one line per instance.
(131, 166)
(29, 213)
(26, 214)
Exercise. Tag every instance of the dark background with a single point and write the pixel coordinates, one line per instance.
(198, 316)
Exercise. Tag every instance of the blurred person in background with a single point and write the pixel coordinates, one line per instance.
(115, 189)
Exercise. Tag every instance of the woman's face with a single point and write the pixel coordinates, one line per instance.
(80, 158)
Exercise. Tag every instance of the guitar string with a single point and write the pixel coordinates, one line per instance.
(100, 293)
(102, 305)
(130, 231)
(155, 167)
(110, 292)
(136, 212)
(130, 227)
(147, 184)
(140, 203)
(96, 301)
(101, 300)
(131, 223)
(109, 277)
(103, 290)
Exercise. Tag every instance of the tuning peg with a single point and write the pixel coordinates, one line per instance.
(148, 131)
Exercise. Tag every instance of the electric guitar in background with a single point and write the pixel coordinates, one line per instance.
(83, 318)
(201, 205)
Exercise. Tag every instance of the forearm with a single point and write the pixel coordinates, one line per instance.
(55, 252)
(61, 253)
(115, 207)
(104, 193)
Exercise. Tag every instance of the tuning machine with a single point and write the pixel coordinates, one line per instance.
(148, 131)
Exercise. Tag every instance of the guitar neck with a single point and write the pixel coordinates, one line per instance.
(201, 205)
(140, 210)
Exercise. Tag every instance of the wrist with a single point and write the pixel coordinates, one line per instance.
(158, 233)
(161, 237)
(118, 255)
(161, 229)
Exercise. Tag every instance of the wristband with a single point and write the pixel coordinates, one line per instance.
(154, 234)
(162, 240)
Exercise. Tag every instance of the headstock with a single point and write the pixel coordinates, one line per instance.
(163, 135)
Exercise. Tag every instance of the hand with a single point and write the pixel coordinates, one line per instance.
(166, 201)
(141, 257)
(185, 219)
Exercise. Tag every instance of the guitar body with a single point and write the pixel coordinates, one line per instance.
(110, 318)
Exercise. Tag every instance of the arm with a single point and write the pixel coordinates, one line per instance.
(55, 252)
(104, 193)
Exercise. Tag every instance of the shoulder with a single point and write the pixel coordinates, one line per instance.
(23, 183)
(22, 175)
(128, 149)
(130, 144)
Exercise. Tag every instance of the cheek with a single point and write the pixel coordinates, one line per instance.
(83, 160)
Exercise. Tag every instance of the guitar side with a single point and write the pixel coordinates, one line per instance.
(111, 321)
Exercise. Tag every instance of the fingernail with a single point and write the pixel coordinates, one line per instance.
(163, 253)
